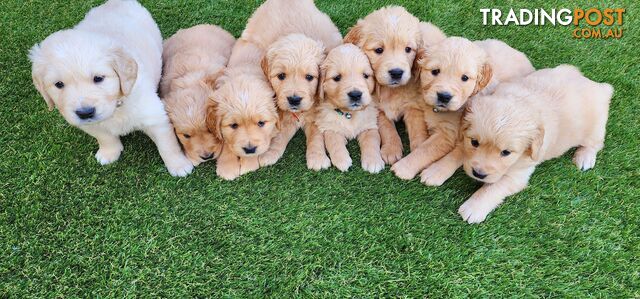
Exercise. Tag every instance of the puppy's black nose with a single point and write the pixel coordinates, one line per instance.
(444, 97)
(355, 95)
(477, 174)
(86, 112)
(207, 156)
(294, 100)
(249, 149)
(396, 74)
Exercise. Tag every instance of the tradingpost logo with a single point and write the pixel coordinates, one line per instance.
(590, 23)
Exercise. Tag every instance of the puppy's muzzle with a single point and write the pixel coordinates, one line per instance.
(396, 74)
(355, 96)
(478, 174)
(444, 98)
(85, 113)
(250, 149)
(294, 101)
(206, 156)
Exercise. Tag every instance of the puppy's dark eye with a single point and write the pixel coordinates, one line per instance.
(505, 153)
(234, 126)
(282, 76)
(337, 78)
(261, 124)
(465, 78)
(59, 85)
(407, 49)
(366, 76)
(98, 79)
(379, 50)
(435, 72)
(475, 143)
(309, 78)
(186, 136)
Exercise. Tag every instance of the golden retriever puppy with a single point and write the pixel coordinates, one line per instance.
(193, 59)
(526, 122)
(451, 72)
(293, 66)
(103, 77)
(390, 37)
(243, 113)
(295, 42)
(346, 110)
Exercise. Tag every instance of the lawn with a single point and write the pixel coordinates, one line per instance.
(71, 228)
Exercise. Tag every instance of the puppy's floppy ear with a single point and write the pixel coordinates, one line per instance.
(421, 55)
(127, 70)
(264, 63)
(535, 149)
(210, 79)
(355, 35)
(212, 120)
(36, 75)
(321, 75)
(484, 76)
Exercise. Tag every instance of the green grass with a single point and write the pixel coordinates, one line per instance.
(70, 228)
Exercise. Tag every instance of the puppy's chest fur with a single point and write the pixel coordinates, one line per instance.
(394, 101)
(328, 119)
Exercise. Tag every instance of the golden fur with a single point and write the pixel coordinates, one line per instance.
(293, 66)
(242, 112)
(192, 60)
(390, 37)
(347, 71)
(526, 122)
(462, 69)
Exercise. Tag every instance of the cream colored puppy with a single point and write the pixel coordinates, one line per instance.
(526, 122)
(390, 37)
(346, 110)
(293, 66)
(451, 72)
(193, 59)
(103, 76)
(295, 42)
(242, 112)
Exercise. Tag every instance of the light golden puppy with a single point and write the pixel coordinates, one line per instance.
(243, 113)
(451, 72)
(390, 37)
(347, 110)
(193, 59)
(292, 65)
(526, 122)
(295, 42)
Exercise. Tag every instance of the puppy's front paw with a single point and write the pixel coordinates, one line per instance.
(391, 152)
(475, 210)
(585, 158)
(403, 170)
(228, 172)
(180, 166)
(434, 175)
(269, 158)
(318, 162)
(372, 164)
(108, 155)
(342, 163)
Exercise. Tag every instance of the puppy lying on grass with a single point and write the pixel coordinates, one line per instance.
(526, 122)
(293, 66)
(193, 59)
(346, 109)
(391, 37)
(103, 77)
(451, 72)
(242, 112)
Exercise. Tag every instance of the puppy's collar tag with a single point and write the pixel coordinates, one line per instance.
(295, 115)
(118, 103)
(436, 110)
(347, 115)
